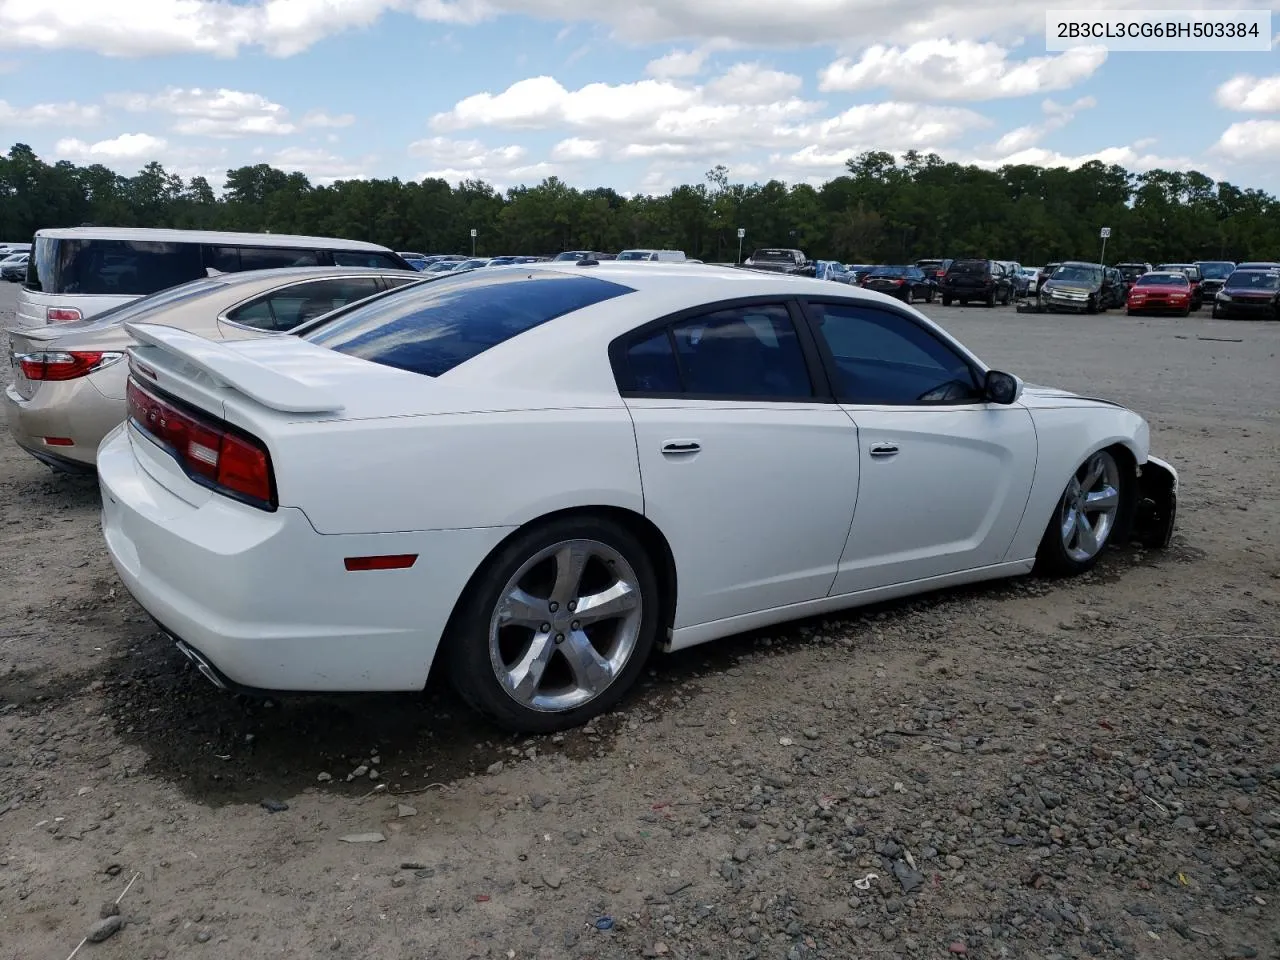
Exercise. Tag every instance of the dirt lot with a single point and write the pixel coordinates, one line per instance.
(1028, 770)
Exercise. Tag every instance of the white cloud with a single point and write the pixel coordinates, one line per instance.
(1250, 141)
(323, 167)
(69, 114)
(1252, 94)
(456, 160)
(1057, 116)
(1134, 157)
(944, 69)
(223, 113)
(575, 148)
(541, 102)
(286, 27)
(9, 66)
(747, 109)
(754, 83)
(677, 63)
(128, 146)
(320, 119)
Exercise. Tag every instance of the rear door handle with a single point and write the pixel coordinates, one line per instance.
(884, 449)
(676, 448)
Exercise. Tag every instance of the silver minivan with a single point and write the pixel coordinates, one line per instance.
(78, 272)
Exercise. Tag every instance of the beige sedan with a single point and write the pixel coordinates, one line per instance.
(69, 379)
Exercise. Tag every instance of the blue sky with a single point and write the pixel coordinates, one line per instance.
(634, 94)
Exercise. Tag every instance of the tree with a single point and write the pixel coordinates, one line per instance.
(882, 209)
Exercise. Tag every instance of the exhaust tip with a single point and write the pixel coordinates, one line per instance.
(201, 664)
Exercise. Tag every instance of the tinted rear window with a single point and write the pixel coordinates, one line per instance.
(120, 267)
(969, 267)
(433, 328)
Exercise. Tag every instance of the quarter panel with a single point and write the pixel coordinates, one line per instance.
(452, 471)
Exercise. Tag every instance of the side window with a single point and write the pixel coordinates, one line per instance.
(296, 304)
(271, 258)
(363, 258)
(393, 281)
(652, 367)
(737, 352)
(886, 359)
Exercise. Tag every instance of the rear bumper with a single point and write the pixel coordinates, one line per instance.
(73, 410)
(266, 601)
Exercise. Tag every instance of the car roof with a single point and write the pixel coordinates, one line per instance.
(204, 236)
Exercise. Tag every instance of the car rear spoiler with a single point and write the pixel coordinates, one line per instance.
(231, 369)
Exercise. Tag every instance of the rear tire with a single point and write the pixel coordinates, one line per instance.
(991, 299)
(928, 297)
(530, 675)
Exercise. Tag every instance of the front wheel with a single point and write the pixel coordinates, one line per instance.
(557, 625)
(928, 297)
(1085, 518)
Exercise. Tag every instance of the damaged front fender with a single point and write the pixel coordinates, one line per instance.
(1157, 504)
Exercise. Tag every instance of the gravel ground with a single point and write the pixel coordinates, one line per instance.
(1028, 770)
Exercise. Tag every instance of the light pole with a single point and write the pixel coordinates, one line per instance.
(741, 233)
(1104, 233)
(473, 242)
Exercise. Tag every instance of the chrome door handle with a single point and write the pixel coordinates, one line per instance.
(884, 449)
(675, 448)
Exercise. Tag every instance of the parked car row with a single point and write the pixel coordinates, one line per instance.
(242, 410)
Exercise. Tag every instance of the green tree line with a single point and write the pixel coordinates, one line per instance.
(884, 209)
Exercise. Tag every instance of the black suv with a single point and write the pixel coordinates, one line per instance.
(982, 280)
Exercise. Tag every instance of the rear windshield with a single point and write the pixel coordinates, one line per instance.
(969, 267)
(433, 328)
(891, 272)
(1078, 273)
(774, 256)
(635, 255)
(1215, 269)
(1132, 271)
(136, 268)
(1252, 280)
(1165, 280)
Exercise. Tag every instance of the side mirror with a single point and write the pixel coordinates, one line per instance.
(1002, 388)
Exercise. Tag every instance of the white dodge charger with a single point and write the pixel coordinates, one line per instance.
(536, 475)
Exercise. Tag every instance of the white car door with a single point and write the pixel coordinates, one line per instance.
(945, 474)
(751, 477)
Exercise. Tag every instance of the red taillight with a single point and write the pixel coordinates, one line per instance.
(64, 364)
(208, 451)
(61, 314)
(397, 561)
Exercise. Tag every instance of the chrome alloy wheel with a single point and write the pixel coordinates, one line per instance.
(1089, 506)
(565, 625)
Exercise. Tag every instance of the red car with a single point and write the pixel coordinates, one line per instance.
(1161, 292)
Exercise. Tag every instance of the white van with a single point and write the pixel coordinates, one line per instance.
(78, 272)
(669, 256)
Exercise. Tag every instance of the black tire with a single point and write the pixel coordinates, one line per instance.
(1091, 305)
(964, 302)
(991, 299)
(466, 643)
(1214, 313)
(1052, 558)
(946, 300)
(1185, 313)
(928, 297)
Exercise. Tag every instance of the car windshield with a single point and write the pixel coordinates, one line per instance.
(1165, 280)
(431, 329)
(634, 255)
(1078, 273)
(1255, 280)
(1132, 270)
(1216, 270)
